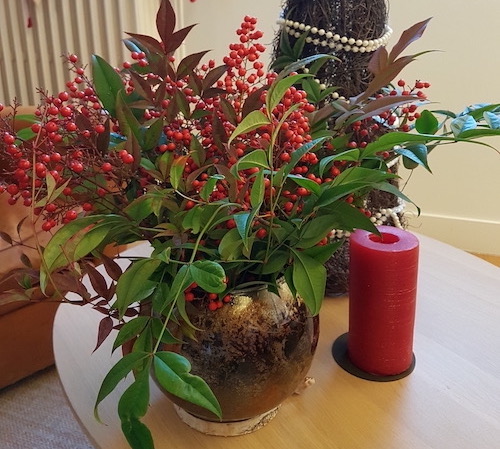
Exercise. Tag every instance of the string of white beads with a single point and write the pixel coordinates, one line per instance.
(335, 41)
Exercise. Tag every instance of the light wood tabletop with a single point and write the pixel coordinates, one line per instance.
(450, 401)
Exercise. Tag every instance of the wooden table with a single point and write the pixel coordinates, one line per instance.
(450, 401)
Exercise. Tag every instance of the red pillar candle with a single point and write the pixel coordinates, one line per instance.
(382, 295)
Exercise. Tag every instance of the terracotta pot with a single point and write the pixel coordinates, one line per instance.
(254, 352)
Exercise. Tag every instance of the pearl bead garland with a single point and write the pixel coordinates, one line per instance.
(335, 41)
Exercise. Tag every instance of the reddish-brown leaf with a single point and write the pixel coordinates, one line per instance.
(67, 283)
(213, 76)
(378, 61)
(384, 78)
(103, 138)
(165, 20)
(141, 86)
(131, 313)
(219, 131)
(189, 63)
(407, 37)
(98, 282)
(25, 260)
(212, 92)
(11, 296)
(105, 328)
(253, 102)
(160, 93)
(112, 268)
(148, 41)
(177, 39)
(229, 111)
(6, 237)
(20, 225)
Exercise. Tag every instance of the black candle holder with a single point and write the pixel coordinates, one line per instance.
(341, 356)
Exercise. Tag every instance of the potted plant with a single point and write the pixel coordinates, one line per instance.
(229, 175)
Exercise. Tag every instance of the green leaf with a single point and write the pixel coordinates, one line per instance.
(244, 221)
(117, 373)
(287, 168)
(252, 121)
(26, 134)
(134, 401)
(192, 219)
(52, 192)
(462, 124)
(107, 83)
(256, 158)
(137, 434)
(230, 246)
(324, 252)
(209, 186)
(209, 275)
(387, 187)
(309, 278)
(152, 135)
(182, 280)
(298, 47)
(276, 263)
(315, 230)
(278, 89)
(348, 155)
(129, 125)
(493, 120)
(61, 249)
(134, 284)
(309, 184)
(258, 190)
(348, 217)
(130, 330)
(161, 297)
(389, 140)
(173, 374)
(312, 88)
(300, 64)
(176, 170)
(427, 123)
(417, 153)
(140, 208)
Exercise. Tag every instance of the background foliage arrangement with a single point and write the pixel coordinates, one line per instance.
(235, 176)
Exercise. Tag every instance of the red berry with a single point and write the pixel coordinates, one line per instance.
(9, 139)
(70, 215)
(65, 111)
(212, 306)
(128, 159)
(261, 233)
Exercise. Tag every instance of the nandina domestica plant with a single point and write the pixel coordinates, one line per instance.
(230, 173)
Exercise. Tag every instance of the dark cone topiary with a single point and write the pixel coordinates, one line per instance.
(362, 20)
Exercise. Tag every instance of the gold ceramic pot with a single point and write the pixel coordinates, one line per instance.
(253, 352)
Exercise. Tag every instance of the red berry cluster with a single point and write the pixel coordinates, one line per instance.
(396, 119)
(65, 147)
(212, 301)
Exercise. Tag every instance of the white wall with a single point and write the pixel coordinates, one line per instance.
(460, 201)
